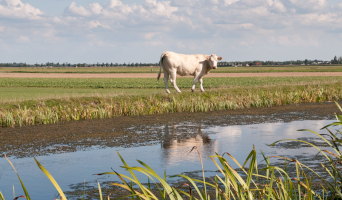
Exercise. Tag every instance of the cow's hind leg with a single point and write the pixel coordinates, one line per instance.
(201, 82)
(173, 80)
(166, 81)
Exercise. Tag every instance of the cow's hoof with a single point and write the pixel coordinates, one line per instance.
(192, 90)
(168, 91)
(202, 90)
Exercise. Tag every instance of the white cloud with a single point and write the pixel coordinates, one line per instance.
(96, 8)
(189, 26)
(229, 2)
(214, 2)
(311, 4)
(262, 11)
(94, 24)
(150, 35)
(160, 8)
(24, 38)
(17, 9)
(57, 20)
(277, 5)
(340, 5)
(115, 3)
(269, 2)
(74, 10)
(323, 19)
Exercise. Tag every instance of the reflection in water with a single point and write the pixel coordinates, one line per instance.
(176, 141)
(176, 146)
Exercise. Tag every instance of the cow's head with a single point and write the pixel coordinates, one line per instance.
(213, 61)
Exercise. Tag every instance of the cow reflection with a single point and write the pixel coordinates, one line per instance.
(177, 142)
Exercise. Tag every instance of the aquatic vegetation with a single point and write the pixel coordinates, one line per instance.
(56, 110)
(246, 182)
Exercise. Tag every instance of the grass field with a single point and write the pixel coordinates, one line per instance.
(138, 83)
(311, 68)
(18, 89)
(42, 101)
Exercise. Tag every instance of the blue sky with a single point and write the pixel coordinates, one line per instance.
(90, 31)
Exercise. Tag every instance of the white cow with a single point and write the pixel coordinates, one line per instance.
(196, 65)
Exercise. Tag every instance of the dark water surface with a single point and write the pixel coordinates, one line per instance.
(72, 152)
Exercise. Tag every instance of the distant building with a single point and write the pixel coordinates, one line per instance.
(258, 64)
(245, 65)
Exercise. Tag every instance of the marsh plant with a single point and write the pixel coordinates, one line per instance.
(249, 181)
(56, 110)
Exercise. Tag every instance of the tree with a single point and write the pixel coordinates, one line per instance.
(306, 62)
(335, 60)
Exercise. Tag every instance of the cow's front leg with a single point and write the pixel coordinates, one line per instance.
(173, 81)
(166, 81)
(201, 82)
(194, 83)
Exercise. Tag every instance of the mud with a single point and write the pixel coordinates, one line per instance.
(154, 75)
(73, 136)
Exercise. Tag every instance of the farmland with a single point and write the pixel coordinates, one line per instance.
(25, 103)
(153, 83)
(252, 69)
(23, 99)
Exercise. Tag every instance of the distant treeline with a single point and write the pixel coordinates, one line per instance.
(335, 60)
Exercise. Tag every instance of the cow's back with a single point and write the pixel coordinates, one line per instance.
(183, 64)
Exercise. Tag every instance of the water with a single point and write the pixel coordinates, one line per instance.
(170, 154)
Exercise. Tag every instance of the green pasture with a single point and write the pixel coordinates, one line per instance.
(251, 69)
(16, 94)
(18, 89)
(139, 83)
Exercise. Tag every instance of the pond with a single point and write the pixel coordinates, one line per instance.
(73, 152)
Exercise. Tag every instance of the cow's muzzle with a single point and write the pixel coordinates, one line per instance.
(214, 67)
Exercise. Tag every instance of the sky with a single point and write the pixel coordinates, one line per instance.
(91, 31)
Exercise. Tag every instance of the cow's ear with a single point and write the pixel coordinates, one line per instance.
(219, 58)
(208, 57)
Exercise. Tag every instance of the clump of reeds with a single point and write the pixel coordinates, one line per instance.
(107, 107)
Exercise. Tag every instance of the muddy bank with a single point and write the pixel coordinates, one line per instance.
(73, 136)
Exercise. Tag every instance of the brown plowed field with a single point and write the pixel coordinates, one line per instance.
(154, 75)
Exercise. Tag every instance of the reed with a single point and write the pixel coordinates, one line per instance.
(53, 111)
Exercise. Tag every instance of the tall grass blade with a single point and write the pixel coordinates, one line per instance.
(52, 180)
(100, 192)
(21, 182)
(2, 196)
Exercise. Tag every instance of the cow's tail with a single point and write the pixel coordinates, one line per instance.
(161, 64)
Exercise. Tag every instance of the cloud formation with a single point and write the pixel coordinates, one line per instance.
(148, 27)
(17, 9)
